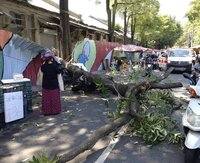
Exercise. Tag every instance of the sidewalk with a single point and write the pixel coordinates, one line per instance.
(81, 115)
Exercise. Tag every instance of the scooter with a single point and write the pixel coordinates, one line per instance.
(149, 66)
(194, 77)
(149, 69)
(191, 123)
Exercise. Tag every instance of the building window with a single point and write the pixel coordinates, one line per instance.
(17, 19)
(98, 36)
(91, 36)
(105, 37)
(84, 33)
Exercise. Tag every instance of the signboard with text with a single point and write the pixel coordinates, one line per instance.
(13, 106)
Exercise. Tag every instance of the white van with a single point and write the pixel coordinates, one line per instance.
(180, 59)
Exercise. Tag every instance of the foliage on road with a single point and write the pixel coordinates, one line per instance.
(42, 158)
(129, 95)
(154, 124)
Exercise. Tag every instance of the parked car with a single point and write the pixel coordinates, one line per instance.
(194, 57)
(180, 59)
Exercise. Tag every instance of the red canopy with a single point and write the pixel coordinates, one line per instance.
(130, 48)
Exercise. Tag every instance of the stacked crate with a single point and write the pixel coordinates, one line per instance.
(21, 85)
(11, 85)
(27, 92)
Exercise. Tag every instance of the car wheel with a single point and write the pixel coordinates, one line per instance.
(190, 155)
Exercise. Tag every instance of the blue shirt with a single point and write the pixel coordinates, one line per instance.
(82, 58)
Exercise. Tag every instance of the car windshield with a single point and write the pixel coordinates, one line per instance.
(179, 53)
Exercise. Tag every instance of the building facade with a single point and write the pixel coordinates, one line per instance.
(42, 26)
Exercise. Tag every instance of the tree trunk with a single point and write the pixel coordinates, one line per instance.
(133, 25)
(64, 20)
(109, 19)
(127, 91)
(91, 141)
(113, 20)
(125, 25)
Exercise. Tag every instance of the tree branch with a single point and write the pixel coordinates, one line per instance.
(91, 141)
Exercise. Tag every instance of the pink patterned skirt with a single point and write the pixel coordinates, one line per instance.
(51, 103)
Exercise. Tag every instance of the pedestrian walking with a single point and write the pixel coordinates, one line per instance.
(51, 103)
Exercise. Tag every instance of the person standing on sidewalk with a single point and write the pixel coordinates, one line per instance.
(51, 103)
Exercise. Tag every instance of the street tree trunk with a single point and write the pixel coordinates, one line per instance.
(127, 91)
(113, 20)
(133, 26)
(125, 25)
(109, 20)
(66, 39)
(98, 134)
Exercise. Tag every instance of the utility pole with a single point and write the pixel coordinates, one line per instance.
(64, 21)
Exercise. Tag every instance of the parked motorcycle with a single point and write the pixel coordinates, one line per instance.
(149, 69)
(191, 121)
(194, 77)
(149, 65)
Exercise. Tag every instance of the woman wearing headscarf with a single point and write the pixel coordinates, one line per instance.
(51, 103)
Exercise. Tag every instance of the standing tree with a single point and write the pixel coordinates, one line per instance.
(192, 33)
(136, 9)
(170, 32)
(64, 21)
(111, 17)
(142, 16)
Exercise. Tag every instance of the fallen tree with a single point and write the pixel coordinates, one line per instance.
(124, 91)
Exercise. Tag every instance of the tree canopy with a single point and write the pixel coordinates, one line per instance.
(142, 20)
(191, 33)
(193, 14)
